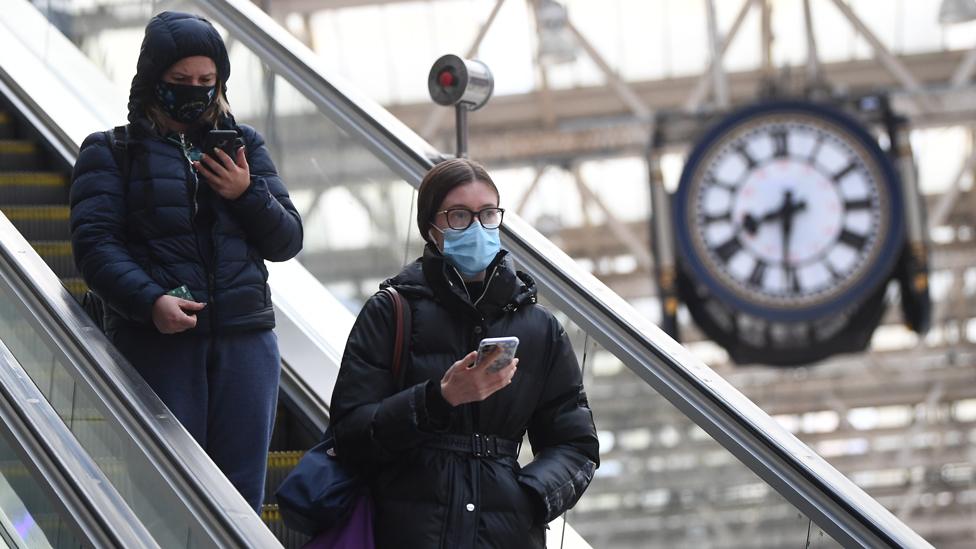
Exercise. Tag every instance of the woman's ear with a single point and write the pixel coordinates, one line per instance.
(432, 238)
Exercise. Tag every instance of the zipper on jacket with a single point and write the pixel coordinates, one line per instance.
(196, 179)
(488, 280)
(212, 278)
(211, 282)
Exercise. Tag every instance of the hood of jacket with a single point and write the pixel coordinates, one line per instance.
(171, 36)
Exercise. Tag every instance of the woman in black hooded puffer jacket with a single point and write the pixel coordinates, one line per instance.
(163, 214)
(441, 452)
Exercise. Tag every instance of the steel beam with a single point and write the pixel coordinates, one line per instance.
(701, 88)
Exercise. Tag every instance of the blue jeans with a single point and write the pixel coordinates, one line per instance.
(222, 388)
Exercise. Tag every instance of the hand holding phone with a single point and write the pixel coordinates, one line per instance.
(496, 352)
(225, 140)
(228, 177)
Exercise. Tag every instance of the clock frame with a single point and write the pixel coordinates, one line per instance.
(789, 212)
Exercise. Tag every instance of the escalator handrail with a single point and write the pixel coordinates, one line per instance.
(82, 489)
(804, 478)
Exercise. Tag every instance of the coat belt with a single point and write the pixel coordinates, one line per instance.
(476, 444)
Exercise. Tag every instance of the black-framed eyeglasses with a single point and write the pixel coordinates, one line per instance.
(461, 218)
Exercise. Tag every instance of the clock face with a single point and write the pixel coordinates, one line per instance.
(788, 211)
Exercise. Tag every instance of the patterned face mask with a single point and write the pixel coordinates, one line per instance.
(184, 103)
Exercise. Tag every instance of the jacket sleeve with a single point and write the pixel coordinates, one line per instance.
(98, 234)
(562, 433)
(373, 421)
(265, 210)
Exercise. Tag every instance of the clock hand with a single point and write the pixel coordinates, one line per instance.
(751, 224)
(789, 210)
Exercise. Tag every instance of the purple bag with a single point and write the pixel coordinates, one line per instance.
(355, 533)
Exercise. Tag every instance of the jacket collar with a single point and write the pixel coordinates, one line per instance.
(434, 277)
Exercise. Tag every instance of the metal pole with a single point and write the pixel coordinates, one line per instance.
(528, 193)
(890, 62)
(964, 72)
(719, 84)
(623, 91)
(617, 228)
(698, 94)
(766, 20)
(662, 239)
(545, 92)
(461, 123)
(939, 214)
(814, 73)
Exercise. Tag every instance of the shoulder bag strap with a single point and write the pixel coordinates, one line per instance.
(401, 340)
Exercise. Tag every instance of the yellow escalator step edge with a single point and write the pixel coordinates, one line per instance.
(37, 179)
(15, 146)
(36, 213)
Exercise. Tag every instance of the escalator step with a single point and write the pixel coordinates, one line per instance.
(284, 460)
(279, 465)
(32, 187)
(7, 129)
(57, 254)
(272, 519)
(19, 154)
(39, 222)
(76, 286)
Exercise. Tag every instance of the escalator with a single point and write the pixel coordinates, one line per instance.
(153, 473)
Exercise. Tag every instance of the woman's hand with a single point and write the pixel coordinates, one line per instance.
(169, 314)
(227, 177)
(466, 382)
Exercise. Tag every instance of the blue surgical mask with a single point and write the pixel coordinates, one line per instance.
(471, 250)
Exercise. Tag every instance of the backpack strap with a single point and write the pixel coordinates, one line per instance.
(118, 138)
(402, 332)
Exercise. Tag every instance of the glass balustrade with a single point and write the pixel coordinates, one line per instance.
(28, 515)
(51, 366)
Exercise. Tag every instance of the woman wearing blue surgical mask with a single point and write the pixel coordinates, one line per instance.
(433, 482)
(173, 238)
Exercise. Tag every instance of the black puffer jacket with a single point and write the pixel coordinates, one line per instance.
(431, 498)
(165, 228)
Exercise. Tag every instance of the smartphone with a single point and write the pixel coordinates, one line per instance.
(225, 140)
(182, 292)
(498, 350)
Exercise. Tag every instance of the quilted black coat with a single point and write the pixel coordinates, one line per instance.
(432, 498)
(136, 236)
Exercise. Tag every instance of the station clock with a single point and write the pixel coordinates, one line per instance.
(788, 220)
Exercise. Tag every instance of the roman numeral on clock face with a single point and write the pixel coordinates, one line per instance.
(792, 280)
(710, 181)
(758, 273)
(861, 204)
(728, 249)
(744, 153)
(846, 170)
(853, 240)
(715, 218)
(779, 144)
